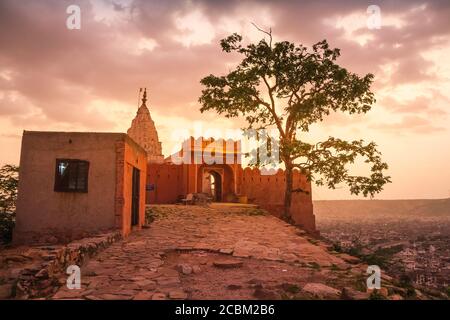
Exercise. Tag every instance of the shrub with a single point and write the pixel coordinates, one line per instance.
(7, 222)
(9, 180)
(375, 295)
(337, 247)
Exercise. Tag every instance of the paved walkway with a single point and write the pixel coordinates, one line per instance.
(217, 252)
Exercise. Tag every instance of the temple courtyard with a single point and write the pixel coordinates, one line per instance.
(220, 251)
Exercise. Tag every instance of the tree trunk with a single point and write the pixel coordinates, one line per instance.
(288, 194)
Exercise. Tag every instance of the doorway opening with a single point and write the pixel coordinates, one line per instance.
(135, 197)
(213, 185)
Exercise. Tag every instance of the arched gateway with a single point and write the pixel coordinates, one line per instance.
(217, 181)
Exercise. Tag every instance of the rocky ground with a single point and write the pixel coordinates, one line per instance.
(28, 272)
(221, 252)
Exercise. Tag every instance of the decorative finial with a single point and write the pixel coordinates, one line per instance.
(144, 97)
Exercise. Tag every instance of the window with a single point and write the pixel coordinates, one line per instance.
(71, 175)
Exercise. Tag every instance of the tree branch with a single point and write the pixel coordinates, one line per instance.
(268, 33)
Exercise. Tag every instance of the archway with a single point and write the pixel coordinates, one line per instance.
(212, 184)
(223, 177)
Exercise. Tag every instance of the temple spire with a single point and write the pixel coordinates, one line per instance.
(143, 131)
(144, 97)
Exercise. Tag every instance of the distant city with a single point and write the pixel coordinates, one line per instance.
(410, 240)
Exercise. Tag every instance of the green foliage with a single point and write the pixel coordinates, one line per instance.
(335, 267)
(375, 295)
(411, 292)
(291, 87)
(381, 257)
(314, 265)
(373, 259)
(153, 213)
(337, 247)
(360, 284)
(406, 282)
(291, 288)
(9, 180)
(7, 223)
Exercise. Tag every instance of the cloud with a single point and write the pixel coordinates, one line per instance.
(50, 75)
(419, 105)
(415, 124)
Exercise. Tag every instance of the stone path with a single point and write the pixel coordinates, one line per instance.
(216, 252)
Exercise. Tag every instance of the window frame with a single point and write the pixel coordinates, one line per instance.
(59, 187)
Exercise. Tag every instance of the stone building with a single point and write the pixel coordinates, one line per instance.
(75, 184)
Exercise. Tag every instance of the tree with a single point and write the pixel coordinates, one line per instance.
(290, 88)
(9, 180)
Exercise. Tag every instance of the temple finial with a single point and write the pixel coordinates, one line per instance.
(144, 96)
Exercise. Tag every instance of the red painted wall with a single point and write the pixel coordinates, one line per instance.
(168, 181)
(268, 192)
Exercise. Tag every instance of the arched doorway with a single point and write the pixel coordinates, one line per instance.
(216, 180)
(212, 184)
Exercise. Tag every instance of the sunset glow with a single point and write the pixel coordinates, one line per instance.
(56, 79)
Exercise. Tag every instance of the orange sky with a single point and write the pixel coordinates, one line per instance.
(52, 78)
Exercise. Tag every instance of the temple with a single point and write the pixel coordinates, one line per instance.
(214, 168)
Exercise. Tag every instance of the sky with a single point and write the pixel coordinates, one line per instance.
(59, 79)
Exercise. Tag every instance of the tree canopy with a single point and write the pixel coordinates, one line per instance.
(291, 87)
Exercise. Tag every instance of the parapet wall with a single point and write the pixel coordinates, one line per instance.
(166, 183)
(268, 192)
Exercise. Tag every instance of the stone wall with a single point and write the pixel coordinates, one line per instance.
(34, 272)
(268, 192)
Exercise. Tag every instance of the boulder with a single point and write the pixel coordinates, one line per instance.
(177, 295)
(321, 291)
(226, 251)
(143, 295)
(265, 294)
(352, 294)
(382, 291)
(196, 269)
(184, 268)
(159, 296)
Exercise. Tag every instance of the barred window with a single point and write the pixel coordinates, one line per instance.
(71, 175)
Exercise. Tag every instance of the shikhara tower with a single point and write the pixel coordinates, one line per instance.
(143, 131)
